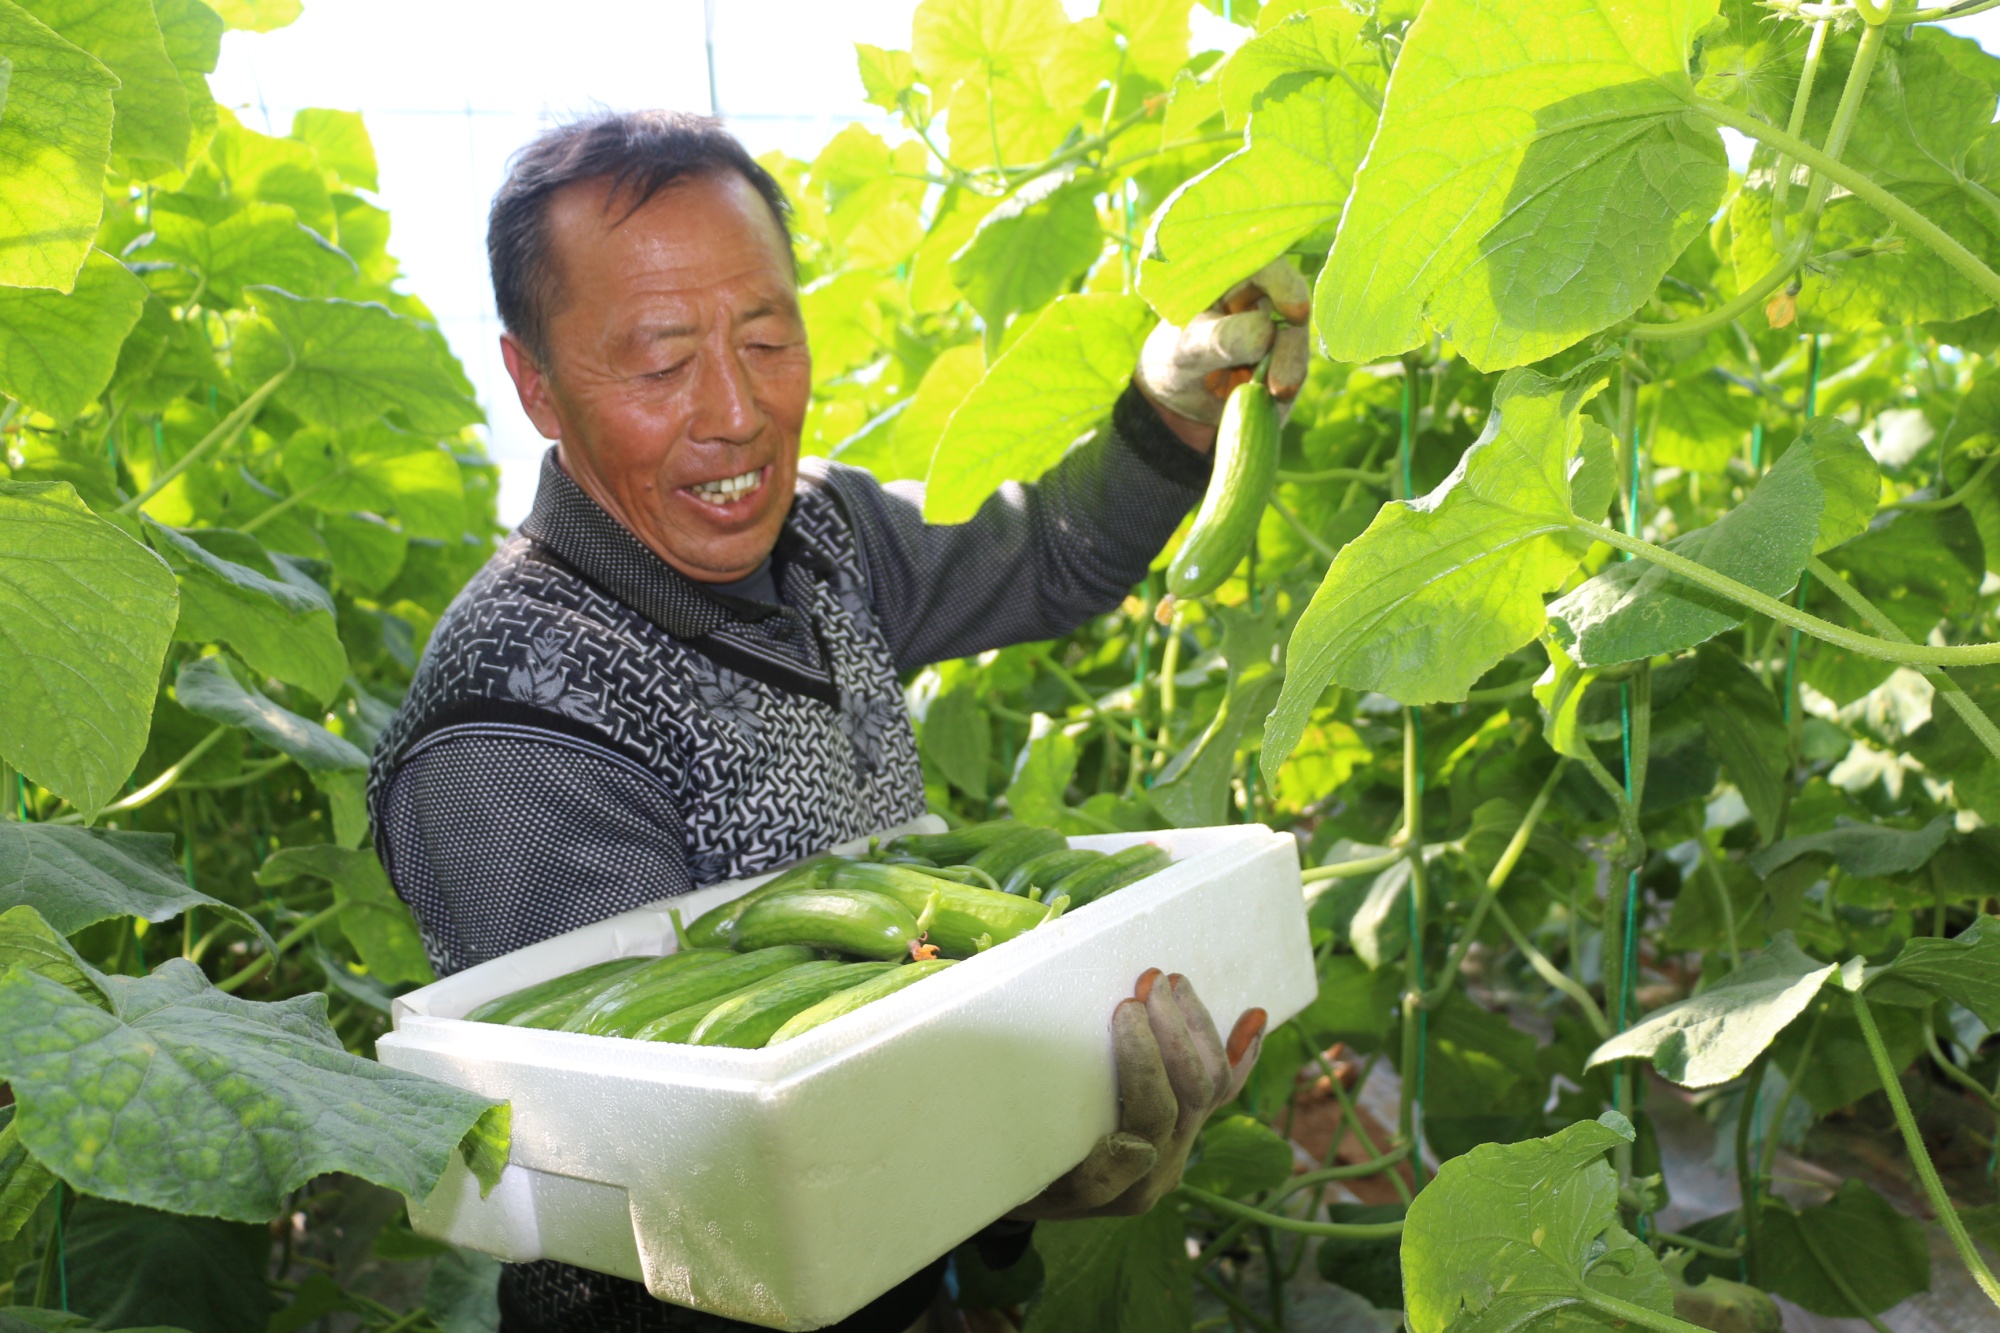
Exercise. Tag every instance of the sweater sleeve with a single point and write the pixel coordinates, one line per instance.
(1039, 558)
(498, 837)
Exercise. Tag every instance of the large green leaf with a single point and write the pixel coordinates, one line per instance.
(133, 1266)
(57, 350)
(1011, 75)
(1712, 1037)
(1440, 588)
(1238, 1156)
(206, 687)
(1819, 494)
(1964, 969)
(258, 15)
(1919, 567)
(350, 362)
(380, 471)
(85, 616)
(340, 140)
(27, 941)
(152, 124)
(1042, 773)
(74, 877)
(374, 919)
(1114, 1275)
(1878, 1253)
(1314, 86)
(1509, 1233)
(228, 244)
(958, 738)
(281, 628)
(1057, 381)
(191, 1100)
(1865, 851)
(1030, 248)
(55, 140)
(1192, 791)
(1536, 173)
(24, 1182)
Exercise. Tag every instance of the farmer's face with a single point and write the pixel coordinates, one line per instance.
(678, 374)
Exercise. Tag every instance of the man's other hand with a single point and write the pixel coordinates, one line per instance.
(1187, 373)
(1174, 1071)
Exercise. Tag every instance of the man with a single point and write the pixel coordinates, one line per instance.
(684, 665)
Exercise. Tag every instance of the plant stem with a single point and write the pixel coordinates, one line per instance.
(158, 786)
(1684, 1242)
(1306, 534)
(1090, 703)
(1940, 13)
(1367, 865)
(1334, 474)
(1858, 184)
(1954, 693)
(243, 779)
(1637, 1314)
(1416, 1019)
(1904, 654)
(1781, 181)
(1749, 1193)
(1552, 974)
(1767, 1152)
(224, 435)
(1495, 881)
(1350, 1171)
(1957, 497)
(1728, 903)
(1941, 1204)
(1954, 1073)
(1236, 1303)
(285, 942)
(1216, 1203)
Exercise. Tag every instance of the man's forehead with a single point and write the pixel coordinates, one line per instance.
(692, 222)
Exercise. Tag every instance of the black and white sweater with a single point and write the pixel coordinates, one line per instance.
(590, 730)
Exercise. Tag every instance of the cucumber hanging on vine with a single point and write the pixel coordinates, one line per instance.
(1246, 463)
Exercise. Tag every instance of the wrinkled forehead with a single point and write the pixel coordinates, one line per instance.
(700, 232)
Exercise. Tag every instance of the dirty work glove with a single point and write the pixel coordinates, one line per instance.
(1189, 371)
(1174, 1071)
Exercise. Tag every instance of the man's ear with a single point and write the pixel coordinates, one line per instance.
(532, 385)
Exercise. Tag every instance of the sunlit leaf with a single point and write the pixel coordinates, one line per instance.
(350, 362)
(380, 471)
(1030, 248)
(1155, 34)
(58, 350)
(191, 1100)
(77, 877)
(1042, 773)
(1307, 134)
(275, 171)
(152, 122)
(1713, 1037)
(281, 628)
(85, 616)
(55, 140)
(885, 75)
(258, 15)
(226, 244)
(1440, 588)
(1536, 172)
(1057, 381)
(1238, 1157)
(340, 140)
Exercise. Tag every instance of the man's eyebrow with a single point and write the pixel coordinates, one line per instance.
(659, 332)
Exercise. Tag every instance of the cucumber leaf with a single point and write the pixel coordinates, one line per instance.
(57, 350)
(1855, 1240)
(152, 124)
(1056, 381)
(1964, 969)
(191, 1100)
(85, 616)
(379, 471)
(1712, 1037)
(1816, 496)
(1315, 87)
(1440, 588)
(24, 1182)
(1030, 248)
(55, 141)
(206, 687)
(226, 244)
(1509, 1233)
(1536, 173)
(281, 628)
(1114, 1275)
(1866, 851)
(1042, 773)
(349, 362)
(1238, 1156)
(75, 877)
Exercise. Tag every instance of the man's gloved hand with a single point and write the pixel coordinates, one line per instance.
(1174, 1071)
(1186, 373)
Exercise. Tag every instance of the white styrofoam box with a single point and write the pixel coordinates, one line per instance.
(790, 1186)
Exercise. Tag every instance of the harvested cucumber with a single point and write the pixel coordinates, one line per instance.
(854, 921)
(639, 999)
(750, 1017)
(847, 1001)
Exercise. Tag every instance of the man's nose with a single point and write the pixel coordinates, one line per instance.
(726, 408)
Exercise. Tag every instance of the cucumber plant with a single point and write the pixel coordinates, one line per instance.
(1616, 635)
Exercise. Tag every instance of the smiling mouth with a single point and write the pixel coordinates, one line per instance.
(728, 490)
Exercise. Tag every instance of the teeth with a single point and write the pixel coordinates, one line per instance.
(722, 492)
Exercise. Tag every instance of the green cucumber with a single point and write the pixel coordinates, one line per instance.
(847, 1001)
(679, 1025)
(505, 1008)
(1027, 842)
(749, 1018)
(963, 921)
(859, 922)
(711, 929)
(1046, 869)
(644, 995)
(557, 1011)
(1114, 872)
(955, 846)
(1246, 463)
